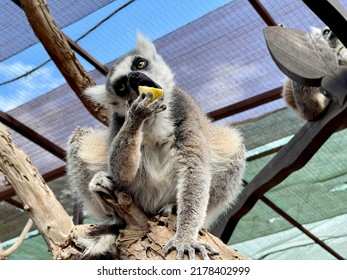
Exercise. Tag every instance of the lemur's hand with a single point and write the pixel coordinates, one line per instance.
(142, 108)
(100, 184)
(190, 245)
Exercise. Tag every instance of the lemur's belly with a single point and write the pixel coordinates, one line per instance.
(155, 183)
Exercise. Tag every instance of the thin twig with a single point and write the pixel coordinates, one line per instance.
(5, 253)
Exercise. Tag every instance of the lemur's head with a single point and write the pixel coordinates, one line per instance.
(334, 43)
(143, 66)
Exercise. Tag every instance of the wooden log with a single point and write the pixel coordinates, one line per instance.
(38, 200)
(143, 238)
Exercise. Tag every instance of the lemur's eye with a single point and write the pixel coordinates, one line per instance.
(139, 63)
(120, 86)
(326, 32)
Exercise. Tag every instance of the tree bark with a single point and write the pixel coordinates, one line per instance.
(38, 200)
(51, 37)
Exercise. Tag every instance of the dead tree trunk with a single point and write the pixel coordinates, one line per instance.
(37, 198)
(56, 45)
(142, 238)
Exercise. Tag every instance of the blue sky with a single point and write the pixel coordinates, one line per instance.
(154, 18)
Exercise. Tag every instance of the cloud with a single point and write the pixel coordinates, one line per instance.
(26, 88)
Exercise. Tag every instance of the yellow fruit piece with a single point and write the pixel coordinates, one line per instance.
(157, 92)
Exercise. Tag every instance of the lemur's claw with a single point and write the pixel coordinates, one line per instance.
(101, 182)
(190, 247)
(167, 210)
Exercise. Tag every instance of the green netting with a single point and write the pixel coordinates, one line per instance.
(270, 127)
(33, 248)
(293, 244)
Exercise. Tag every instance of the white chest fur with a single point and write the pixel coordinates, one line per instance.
(155, 183)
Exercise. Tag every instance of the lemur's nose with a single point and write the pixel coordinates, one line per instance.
(134, 74)
(134, 79)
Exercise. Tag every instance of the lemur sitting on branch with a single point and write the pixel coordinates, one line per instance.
(165, 153)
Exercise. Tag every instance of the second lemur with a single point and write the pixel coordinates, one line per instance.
(310, 102)
(164, 153)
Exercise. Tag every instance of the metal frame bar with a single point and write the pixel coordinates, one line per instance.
(32, 135)
(262, 12)
(7, 193)
(246, 104)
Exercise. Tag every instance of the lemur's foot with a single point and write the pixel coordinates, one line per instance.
(102, 182)
(167, 210)
(190, 246)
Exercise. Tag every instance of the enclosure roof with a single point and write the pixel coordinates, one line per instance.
(16, 33)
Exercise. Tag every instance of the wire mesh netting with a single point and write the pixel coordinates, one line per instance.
(218, 54)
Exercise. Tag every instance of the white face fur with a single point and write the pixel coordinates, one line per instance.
(143, 59)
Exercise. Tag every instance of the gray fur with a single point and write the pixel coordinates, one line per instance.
(310, 102)
(165, 154)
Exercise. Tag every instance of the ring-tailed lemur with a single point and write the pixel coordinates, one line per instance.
(164, 153)
(310, 102)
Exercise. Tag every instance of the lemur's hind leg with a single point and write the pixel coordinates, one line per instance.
(86, 165)
(227, 172)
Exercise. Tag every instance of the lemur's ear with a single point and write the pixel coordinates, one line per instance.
(97, 94)
(145, 46)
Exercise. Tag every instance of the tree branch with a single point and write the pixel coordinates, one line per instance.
(51, 37)
(38, 199)
(5, 253)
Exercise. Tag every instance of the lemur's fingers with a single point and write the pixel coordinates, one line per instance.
(146, 99)
(101, 182)
(156, 106)
(159, 108)
(189, 247)
(203, 247)
(191, 252)
(162, 108)
(180, 248)
(210, 248)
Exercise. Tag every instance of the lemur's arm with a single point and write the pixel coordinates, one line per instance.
(193, 186)
(125, 149)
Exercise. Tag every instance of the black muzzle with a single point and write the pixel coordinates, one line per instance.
(136, 79)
